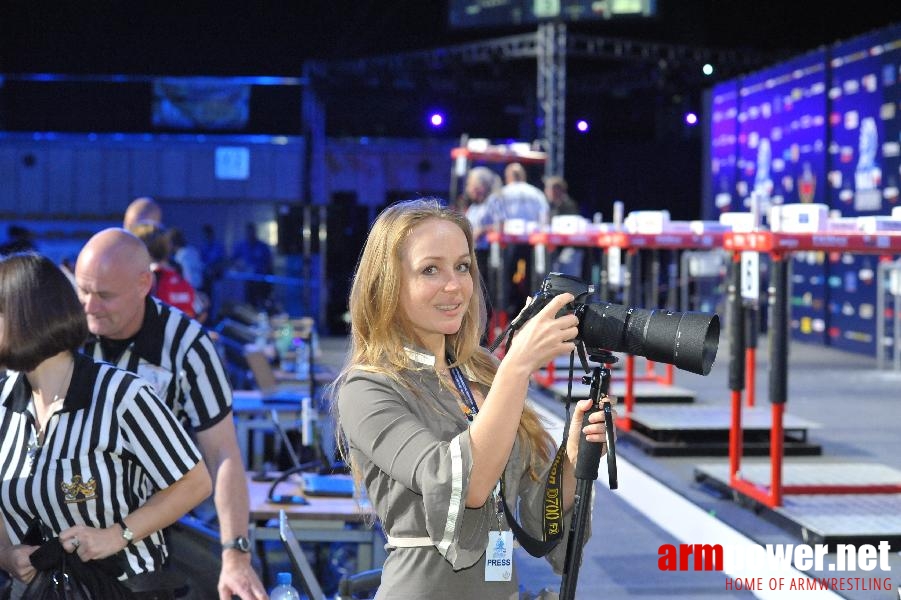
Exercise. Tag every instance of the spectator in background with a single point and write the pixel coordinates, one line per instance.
(481, 184)
(212, 255)
(567, 260)
(254, 257)
(142, 210)
(187, 257)
(557, 192)
(214, 260)
(19, 239)
(169, 285)
(518, 200)
(67, 266)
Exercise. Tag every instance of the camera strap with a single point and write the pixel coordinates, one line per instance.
(527, 313)
(552, 526)
(508, 334)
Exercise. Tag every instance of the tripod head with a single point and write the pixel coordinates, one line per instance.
(598, 380)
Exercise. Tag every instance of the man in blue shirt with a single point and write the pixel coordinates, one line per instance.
(254, 256)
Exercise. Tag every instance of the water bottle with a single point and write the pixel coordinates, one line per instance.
(284, 343)
(283, 589)
(314, 341)
(302, 359)
(262, 329)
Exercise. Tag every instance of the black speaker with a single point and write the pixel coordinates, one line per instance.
(347, 225)
(290, 228)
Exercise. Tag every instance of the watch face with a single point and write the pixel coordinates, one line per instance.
(240, 543)
(127, 534)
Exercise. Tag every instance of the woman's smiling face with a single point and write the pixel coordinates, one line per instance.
(436, 283)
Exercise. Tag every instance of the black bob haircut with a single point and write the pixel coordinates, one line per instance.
(40, 314)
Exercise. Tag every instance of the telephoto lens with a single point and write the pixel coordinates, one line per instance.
(688, 340)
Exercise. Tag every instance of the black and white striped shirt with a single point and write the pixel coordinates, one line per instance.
(110, 446)
(178, 358)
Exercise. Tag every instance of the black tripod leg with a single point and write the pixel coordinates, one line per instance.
(610, 436)
(586, 472)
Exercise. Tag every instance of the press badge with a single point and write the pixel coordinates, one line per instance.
(499, 557)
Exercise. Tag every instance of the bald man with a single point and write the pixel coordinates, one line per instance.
(141, 334)
(142, 210)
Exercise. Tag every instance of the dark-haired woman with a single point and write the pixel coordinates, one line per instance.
(87, 449)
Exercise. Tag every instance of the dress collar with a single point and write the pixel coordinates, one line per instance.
(78, 396)
(422, 358)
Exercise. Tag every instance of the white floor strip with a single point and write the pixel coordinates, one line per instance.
(659, 503)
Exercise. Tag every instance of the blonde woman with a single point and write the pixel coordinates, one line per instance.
(431, 423)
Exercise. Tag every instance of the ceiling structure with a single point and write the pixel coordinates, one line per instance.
(379, 66)
(390, 61)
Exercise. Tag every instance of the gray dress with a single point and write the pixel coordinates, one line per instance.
(415, 456)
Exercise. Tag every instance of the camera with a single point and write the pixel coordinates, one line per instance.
(688, 340)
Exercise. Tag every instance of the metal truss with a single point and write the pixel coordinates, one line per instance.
(552, 52)
(529, 46)
(550, 46)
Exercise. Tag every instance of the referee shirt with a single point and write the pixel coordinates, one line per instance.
(178, 358)
(110, 446)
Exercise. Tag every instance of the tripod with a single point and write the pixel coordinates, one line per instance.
(587, 469)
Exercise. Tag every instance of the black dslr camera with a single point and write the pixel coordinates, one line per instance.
(688, 340)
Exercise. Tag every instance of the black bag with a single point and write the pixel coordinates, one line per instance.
(62, 576)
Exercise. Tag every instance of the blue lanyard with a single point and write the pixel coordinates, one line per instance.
(464, 390)
(553, 530)
(470, 402)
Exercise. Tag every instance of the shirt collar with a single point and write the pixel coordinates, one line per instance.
(148, 341)
(80, 393)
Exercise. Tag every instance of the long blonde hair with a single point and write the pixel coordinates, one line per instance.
(379, 330)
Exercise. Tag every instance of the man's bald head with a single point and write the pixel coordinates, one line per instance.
(142, 210)
(113, 277)
(514, 172)
(118, 248)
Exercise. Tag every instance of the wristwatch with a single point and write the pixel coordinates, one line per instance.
(127, 534)
(240, 543)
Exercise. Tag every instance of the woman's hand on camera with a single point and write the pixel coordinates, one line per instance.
(594, 432)
(545, 336)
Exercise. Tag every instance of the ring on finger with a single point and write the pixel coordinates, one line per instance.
(75, 543)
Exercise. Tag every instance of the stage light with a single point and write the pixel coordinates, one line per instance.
(707, 69)
(582, 126)
(691, 119)
(436, 120)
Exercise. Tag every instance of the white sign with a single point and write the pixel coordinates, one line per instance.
(232, 162)
(614, 266)
(750, 276)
